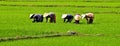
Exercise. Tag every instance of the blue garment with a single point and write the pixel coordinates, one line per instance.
(69, 18)
(37, 18)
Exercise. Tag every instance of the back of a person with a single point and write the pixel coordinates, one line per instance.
(69, 16)
(39, 17)
(52, 15)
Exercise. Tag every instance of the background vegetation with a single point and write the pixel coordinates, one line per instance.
(14, 21)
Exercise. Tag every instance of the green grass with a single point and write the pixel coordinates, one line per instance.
(14, 21)
(62, 0)
(66, 41)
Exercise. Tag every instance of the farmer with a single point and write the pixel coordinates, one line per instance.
(77, 18)
(69, 17)
(36, 17)
(50, 15)
(89, 17)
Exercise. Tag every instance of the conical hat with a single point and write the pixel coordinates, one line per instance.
(64, 15)
(83, 16)
(31, 15)
(45, 14)
(89, 13)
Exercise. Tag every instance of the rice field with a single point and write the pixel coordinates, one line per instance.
(14, 21)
